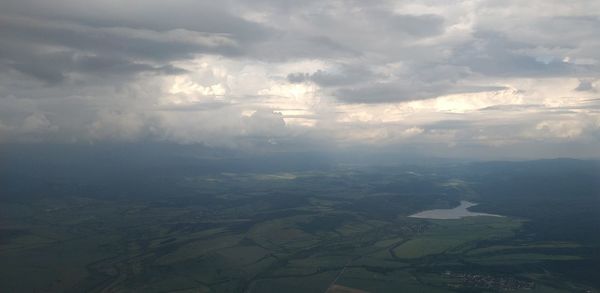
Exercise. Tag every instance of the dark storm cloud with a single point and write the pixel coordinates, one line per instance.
(123, 41)
(493, 54)
(50, 50)
(149, 35)
(202, 16)
(53, 67)
(51, 41)
(337, 76)
(375, 16)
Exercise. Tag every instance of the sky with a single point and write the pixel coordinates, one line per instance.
(484, 79)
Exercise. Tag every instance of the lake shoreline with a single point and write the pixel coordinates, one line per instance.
(459, 212)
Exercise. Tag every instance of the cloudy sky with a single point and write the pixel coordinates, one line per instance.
(475, 78)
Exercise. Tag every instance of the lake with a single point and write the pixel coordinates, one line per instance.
(458, 212)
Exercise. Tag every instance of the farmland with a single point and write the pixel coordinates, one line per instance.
(301, 231)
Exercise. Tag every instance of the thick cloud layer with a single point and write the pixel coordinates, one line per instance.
(469, 78)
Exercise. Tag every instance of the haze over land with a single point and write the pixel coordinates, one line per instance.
(477, 79)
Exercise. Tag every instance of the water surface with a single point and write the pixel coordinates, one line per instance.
(458, 212)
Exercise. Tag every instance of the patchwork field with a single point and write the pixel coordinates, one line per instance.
(291, 232)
